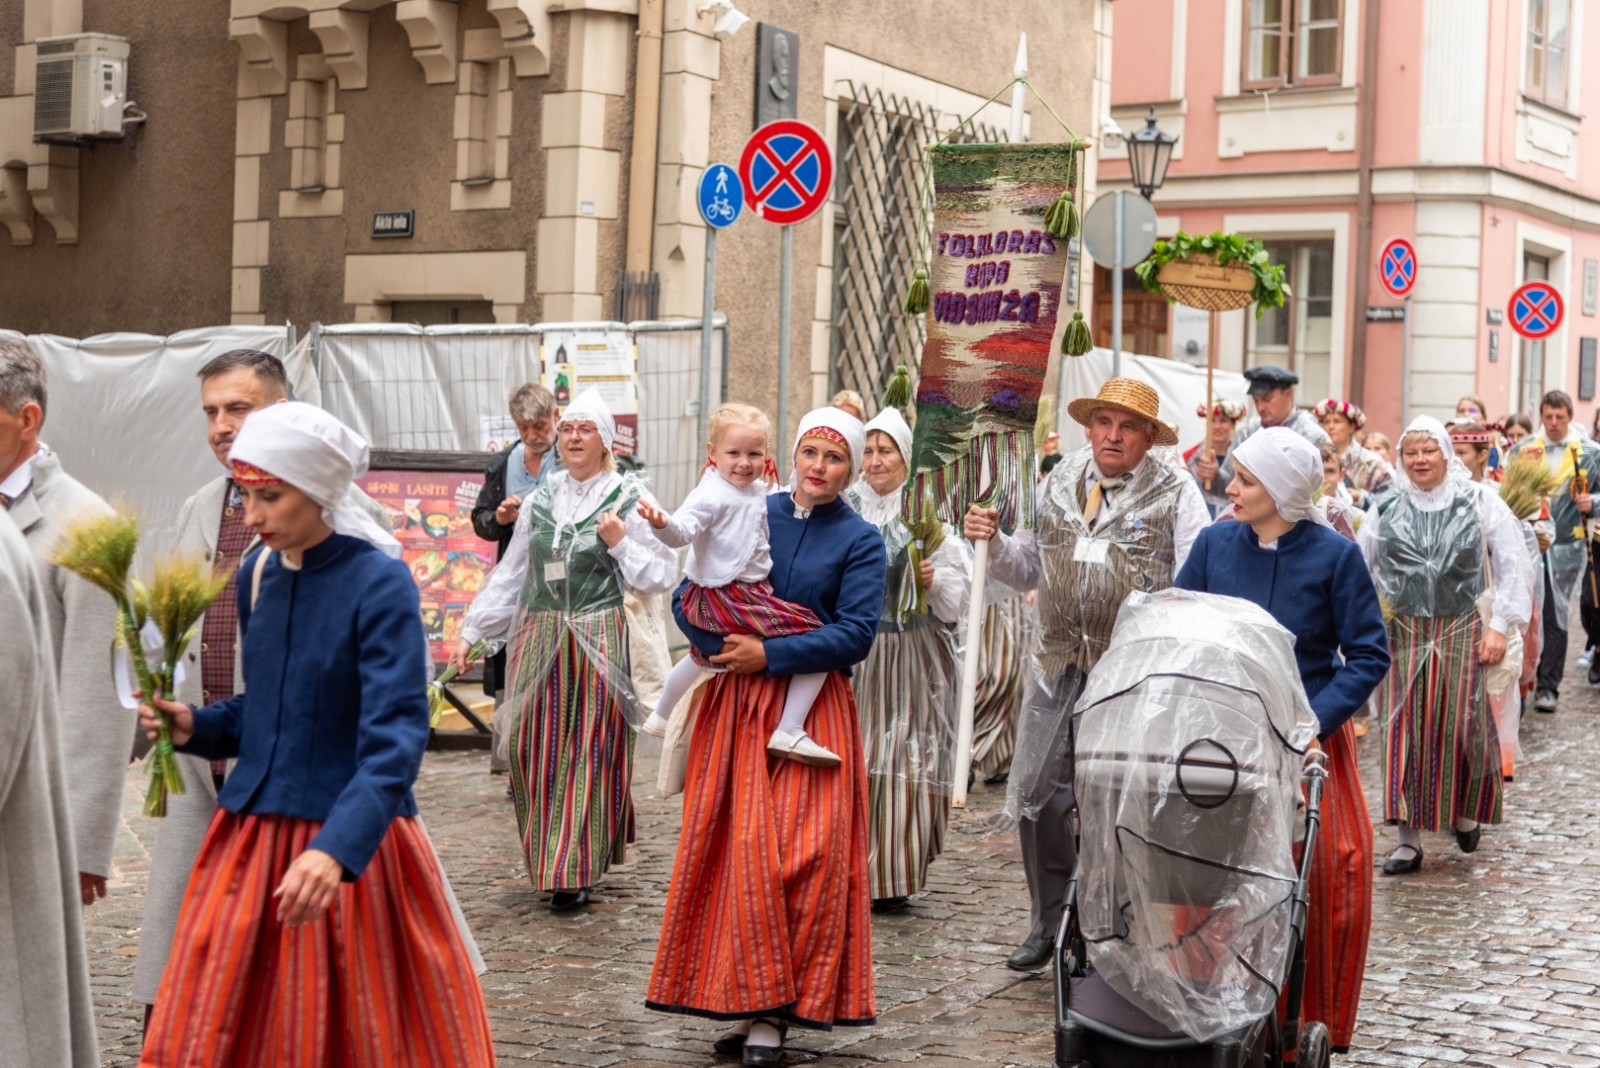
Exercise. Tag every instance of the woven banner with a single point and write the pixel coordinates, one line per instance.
(996, 279)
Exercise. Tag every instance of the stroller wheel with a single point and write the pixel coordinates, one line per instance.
(1315, 1048)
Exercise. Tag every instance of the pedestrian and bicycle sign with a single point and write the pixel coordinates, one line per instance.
(721, 195)
(1397, 266)
(787, 170)
(1536, 310)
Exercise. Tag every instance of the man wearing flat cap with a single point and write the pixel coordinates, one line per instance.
(1272, 390)
(1111, 520)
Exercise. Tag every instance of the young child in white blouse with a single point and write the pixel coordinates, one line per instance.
(724, 523)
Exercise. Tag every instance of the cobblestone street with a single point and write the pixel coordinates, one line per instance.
(1489, 959)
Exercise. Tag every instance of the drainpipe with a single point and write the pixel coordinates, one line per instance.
(1365, 135)
(646, 128)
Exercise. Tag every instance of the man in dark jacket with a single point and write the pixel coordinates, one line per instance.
(510, 477)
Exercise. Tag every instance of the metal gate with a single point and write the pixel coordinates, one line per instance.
(882, 144)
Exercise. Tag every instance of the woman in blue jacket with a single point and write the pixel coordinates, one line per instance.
(1281, 554)
(315, 928)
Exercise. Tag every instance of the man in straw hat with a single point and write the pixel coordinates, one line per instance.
(1111, 520)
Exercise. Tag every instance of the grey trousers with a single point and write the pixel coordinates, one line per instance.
(1049, 855)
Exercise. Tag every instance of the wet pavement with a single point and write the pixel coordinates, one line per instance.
(1488, 959)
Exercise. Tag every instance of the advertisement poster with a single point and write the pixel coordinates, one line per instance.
(496, 432)
(606, 359)
(431, 515)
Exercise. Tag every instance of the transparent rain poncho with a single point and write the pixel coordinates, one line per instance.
(570, 613)
(1190, 736)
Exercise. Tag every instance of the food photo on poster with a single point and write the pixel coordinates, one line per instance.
(430, 513)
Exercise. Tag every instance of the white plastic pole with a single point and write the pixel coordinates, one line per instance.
(1116, 287)
(969, 673)
(1020, 70)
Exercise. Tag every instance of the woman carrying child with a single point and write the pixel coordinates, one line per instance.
(767, 920)
(906, 689)
(557, 595)
(724, 523)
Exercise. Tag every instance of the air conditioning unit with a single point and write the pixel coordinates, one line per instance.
(80, 87)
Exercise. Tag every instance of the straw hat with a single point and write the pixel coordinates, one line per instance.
(1127, 395)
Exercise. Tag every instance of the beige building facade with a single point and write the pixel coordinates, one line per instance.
(542, 147)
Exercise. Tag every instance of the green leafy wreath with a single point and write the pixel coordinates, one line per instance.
(1270, 289)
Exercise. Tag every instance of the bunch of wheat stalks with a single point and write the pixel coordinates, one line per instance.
(100, 550)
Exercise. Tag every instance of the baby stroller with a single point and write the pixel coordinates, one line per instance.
(1185, 922)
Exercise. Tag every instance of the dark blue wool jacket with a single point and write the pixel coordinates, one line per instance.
(1317, 585)
(334, 718)
(832, 563)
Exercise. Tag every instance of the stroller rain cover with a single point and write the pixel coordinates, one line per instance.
(1189, 740)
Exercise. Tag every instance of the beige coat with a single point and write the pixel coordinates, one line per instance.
(179, 835)
(46, 1009)
(97, 732)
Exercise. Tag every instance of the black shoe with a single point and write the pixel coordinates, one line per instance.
(1032, 954)
(729, 1045)
(890, 904)
(997, 778)
(567, 900)
(1403, 867)
(1594, 672)
(1467, 841)
(765, 1055)
(1544, 701)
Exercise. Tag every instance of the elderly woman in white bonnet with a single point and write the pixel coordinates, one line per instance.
(1281, 554)
(557, 599)
(1439, 548)
(316, 843)
(906, 688)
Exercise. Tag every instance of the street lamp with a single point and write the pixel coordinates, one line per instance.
(1149, 152)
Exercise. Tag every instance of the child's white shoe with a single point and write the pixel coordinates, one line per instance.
(800, 747)
(655, 727)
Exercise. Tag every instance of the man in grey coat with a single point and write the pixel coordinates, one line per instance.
(212, 525)
(97, 732)
(46, 1009)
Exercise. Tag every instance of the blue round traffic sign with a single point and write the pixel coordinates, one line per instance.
(721, 196)
(787, 171)
(1398, 267)
(1536, 310)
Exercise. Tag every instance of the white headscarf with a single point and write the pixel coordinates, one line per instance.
(590, 407)
(317, 455)
(891, 422)
(840, 422)
(1427, 424)
(1290, 469)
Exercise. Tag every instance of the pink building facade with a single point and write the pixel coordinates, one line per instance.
(1327, 127)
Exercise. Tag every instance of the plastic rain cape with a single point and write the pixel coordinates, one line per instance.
(570, 619)
(1190, 734)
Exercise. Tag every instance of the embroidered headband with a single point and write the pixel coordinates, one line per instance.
(250, 475)
(1230, 409)
(1334, 406)
(827, 433)
(1482, 435)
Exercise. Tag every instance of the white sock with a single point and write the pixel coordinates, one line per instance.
(679, 681)
(1410, 838)
(763, 1033)
(1466, 826)
(803, 690)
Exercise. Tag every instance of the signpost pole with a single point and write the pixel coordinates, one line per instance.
(707, 307)
(785, 277)
(1405, 365)
(1116, 286)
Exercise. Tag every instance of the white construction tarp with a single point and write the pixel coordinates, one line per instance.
(1182, 389)
(124, 415)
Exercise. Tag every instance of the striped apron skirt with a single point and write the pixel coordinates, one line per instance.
(742, 608)
(1002, 664)
(1340, 917)
(768, 912)
(905, 691)
(571, 751)
(381, 980)
(1442, 752)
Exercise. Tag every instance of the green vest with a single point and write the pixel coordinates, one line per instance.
(578, 574)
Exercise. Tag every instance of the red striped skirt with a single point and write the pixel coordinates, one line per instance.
(768, 912)
(743, 608)
(381, 980)
(1340, 917)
